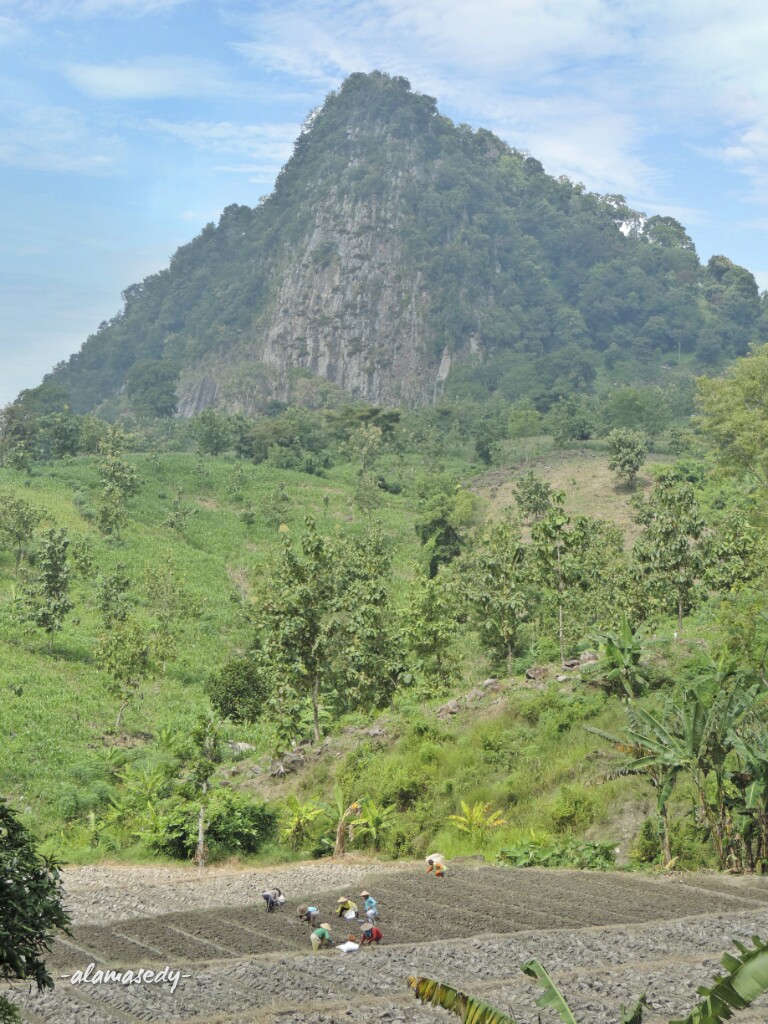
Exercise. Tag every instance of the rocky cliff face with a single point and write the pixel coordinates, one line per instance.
(399, 255)
(347, 302)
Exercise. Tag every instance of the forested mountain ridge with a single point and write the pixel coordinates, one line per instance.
(399, 257)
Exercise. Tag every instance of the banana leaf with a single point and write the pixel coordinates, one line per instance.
(747, 978)
(471, 1010)
(551, 995)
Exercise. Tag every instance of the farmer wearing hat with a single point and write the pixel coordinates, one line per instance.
(344, 906)
(370, 934)
(436, 863)
(308, 913)
(320, 937)
(371, 906)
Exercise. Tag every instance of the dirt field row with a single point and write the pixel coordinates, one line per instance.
(605, 938)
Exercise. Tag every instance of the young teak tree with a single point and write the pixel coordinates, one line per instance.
(46, 600)
(125, 654)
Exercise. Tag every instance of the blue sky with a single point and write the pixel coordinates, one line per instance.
(126, 125)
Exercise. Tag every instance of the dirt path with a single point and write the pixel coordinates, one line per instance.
(605, 938)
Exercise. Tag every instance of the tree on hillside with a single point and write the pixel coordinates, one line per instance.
(31, 908)
(499, 584)
(551, 542)
(323, 628)
(627, 450)
(125, 654)
(445, 512)
(45, 595)
(119, 481)
(667, 557)
(734, 414)
(429, 627)
(212, 432)
(532, 495)
(18, 520)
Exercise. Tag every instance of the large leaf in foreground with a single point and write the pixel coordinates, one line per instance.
(471, 1010)
(551, 995)
(747, 979)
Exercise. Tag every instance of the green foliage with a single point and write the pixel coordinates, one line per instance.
(18, 520)
(573, 809)
(628, 451)
(298, 821)
(499, 586)
(667, 557)
(477, 821)
(376, 822)
(211, 431)
(745, 981)
(235, 824)
(46, 600)
(125, 655)
(533, 495)
(240, 689)
(734, 414)
(471, 1010)
(542, 851)
(622, 654)
(551, 996)
(31, 907)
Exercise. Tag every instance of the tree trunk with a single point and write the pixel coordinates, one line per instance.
(121, 709)
(315, 709)
(200, 850)
(666, 846)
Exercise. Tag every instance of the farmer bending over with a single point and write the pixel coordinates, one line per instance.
(436, 863)
(371, 906)
(309, 914)
(345, 905)
(273, 898)
(370, 934)
(320, 937)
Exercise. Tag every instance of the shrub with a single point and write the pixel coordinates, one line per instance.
(543, 851)
(238, 691)
(572, 810)
(235, 824)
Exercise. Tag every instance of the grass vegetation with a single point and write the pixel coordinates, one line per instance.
(204, 566)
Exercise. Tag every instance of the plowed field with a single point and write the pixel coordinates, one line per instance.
(605, 937)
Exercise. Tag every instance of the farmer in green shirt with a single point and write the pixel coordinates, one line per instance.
(320, 937)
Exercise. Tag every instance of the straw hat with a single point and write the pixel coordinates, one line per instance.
(326, 926)
(343, 899)
(365, 893)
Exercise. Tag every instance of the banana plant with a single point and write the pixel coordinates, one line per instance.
(746, 979)
(477, 821)
(622, 652)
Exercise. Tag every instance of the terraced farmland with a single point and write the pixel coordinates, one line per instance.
(605, 937)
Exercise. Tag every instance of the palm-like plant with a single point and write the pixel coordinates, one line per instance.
(478, 821)
(298, 821)
(622, 652)
(376, 820)
(746, 979)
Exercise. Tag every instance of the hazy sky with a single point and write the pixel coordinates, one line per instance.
(126, 125)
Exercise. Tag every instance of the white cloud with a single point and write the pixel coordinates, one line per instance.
(151, 78)
(48, 10)
(56, 139)
(224, 136)
(622, 75)
(11, 30)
